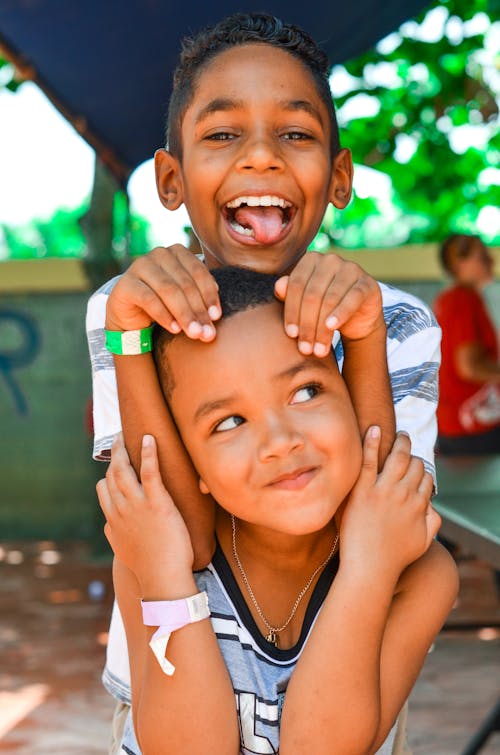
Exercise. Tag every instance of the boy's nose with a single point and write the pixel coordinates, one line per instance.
(279, 438)
(261, 152)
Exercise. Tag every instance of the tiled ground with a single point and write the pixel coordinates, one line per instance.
(54, 609)
(461, 678)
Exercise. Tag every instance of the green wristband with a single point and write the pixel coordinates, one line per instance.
(129, 342)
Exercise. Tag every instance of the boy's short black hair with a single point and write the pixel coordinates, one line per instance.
(240, 289)
(239, 29)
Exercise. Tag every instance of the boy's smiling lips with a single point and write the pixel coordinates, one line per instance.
(297, 479)
(258, 217)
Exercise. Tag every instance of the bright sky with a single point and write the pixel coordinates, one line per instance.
(45, 165)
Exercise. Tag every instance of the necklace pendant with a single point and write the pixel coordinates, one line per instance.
(272, 637)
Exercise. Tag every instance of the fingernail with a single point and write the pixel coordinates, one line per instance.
(331, 322)
(214, 312)
(320, 350)
(292, 330)
(208, 332)
(305, 347)
(175, 327)
(194, 329)
(374, 431)
(147, 441)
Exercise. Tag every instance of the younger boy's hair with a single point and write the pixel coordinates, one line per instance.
(240, 289)
(240, 29)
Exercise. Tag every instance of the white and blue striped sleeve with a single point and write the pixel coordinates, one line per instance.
(413, 355)
(106, 412)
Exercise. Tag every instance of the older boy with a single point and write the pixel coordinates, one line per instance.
(256, 167)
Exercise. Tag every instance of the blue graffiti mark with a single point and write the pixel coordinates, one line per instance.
(22, 356)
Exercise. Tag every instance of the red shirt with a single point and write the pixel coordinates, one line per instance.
(464, 320)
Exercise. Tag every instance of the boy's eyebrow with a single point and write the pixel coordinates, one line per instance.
(298, 367)
(211, 406)
(223, 104)
(226, 104)
(304, 105)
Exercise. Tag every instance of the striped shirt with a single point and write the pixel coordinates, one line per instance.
(259, 671)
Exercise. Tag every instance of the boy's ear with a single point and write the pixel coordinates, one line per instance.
(203, 487)
(341, 183)
(168, 179)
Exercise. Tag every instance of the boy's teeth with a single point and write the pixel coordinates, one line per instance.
(267, 200)
(240, 229)
(261, 218)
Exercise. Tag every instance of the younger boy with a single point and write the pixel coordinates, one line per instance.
(253, 153)
(274, 438)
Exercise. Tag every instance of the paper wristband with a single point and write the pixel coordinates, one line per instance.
(129, 342)
(169, 615)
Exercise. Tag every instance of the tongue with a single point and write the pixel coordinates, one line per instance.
(265, 222)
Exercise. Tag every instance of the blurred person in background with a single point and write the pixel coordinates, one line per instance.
(469, 378)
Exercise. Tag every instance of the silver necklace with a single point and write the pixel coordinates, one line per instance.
(272, 635)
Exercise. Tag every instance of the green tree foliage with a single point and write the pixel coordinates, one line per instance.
(59, 236)
(433, 130)
(62, 236)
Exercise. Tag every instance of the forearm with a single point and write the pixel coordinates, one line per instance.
(143, 410)
(333, 701)
(366, 374)
(192, 711)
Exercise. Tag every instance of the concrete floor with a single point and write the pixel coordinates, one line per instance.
(55, 603)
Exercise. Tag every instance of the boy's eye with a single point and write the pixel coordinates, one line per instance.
(295, 136)
(229, 423)
(306, 393)
(220, 136)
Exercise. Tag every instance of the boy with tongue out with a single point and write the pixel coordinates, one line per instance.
(253, 152)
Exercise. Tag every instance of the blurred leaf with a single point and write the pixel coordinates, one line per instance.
(436, 87)
(8, 78)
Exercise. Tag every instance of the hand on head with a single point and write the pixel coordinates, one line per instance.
(143, 526)
(325, 293)
(388, 521)
(170, 286)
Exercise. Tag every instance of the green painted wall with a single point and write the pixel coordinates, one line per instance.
(47, 477)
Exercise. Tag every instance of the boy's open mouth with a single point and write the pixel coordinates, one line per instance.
(260, 218)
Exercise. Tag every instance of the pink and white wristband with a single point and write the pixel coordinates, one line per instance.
(169, 615)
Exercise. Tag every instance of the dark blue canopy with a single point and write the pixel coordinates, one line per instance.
(107, 64)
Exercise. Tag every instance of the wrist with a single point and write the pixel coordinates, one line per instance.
(169, 616)
(377, 332)
(129, 342)
(376, 574)
(134, 320)
(164, 585)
